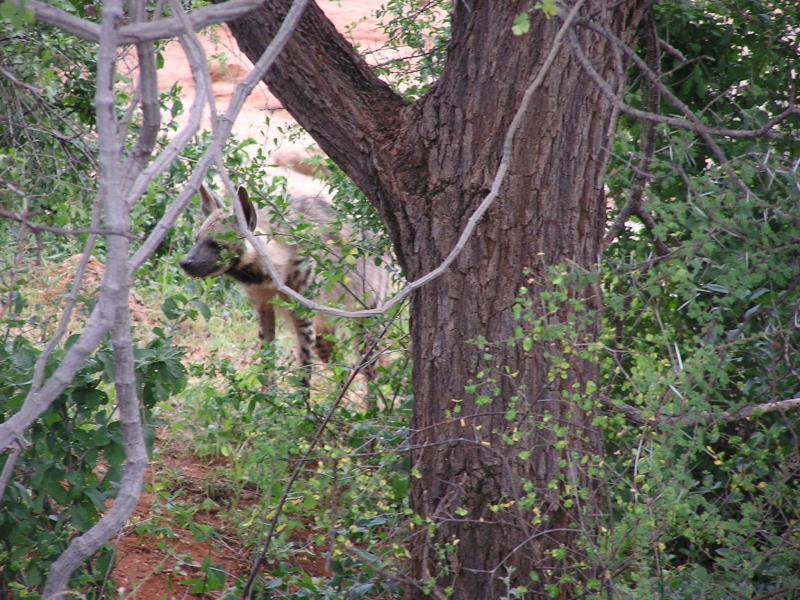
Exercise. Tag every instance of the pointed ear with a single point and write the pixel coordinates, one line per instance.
(248, 208)
(210, 202)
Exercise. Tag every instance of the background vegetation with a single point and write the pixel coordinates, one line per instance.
(700, 324)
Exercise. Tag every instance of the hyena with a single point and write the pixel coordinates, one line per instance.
(220, 248)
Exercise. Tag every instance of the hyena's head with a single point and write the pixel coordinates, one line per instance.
(220, 246)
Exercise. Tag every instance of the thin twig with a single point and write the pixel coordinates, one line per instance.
(693, 123)
(8, 468)
(641, 173)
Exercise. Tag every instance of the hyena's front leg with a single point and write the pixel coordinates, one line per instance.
(299, 278)
(304, 328)
(266, 321)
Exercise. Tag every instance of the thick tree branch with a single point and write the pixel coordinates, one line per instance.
(328, 88)
(116, 290)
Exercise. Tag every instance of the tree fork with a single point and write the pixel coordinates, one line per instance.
(426, 166)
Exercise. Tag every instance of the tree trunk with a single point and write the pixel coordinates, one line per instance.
(503, 448)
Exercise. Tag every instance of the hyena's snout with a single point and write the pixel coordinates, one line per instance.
(203, 260)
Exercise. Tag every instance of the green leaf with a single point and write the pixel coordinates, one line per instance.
(170, 308)
(522, 24)
(549, 8)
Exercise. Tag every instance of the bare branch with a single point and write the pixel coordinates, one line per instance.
(673, 51)
(243, 90)
(259, 560)
(19, 83)
(693, 124)
(8, 468)
(168, 155)
(706, 133)
(82, 547)
(148, 87)
(66, 315)
(203, 17)
(116, 292)
(641, 177)
(44, 12)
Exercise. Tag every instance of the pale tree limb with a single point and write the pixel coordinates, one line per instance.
(225, 124)
(38, 401)
(116, 287)
(66, 315)
(148, 86)
(8, 468)
(164, 159)
(111, 311)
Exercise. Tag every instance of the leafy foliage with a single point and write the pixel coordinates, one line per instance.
(705, 506)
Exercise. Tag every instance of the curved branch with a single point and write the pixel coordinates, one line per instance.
(641, 178)
(243, 90)
(693, 122)
(466, 233)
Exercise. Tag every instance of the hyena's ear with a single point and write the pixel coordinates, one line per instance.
(248, 208)
(210, 202)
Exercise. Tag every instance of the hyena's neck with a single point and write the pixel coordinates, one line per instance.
(250, 274)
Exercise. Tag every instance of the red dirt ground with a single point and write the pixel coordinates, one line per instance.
(157, 564)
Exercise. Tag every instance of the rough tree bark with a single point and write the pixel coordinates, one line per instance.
(426, 166)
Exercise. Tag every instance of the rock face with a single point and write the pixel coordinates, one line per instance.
(228, 66)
